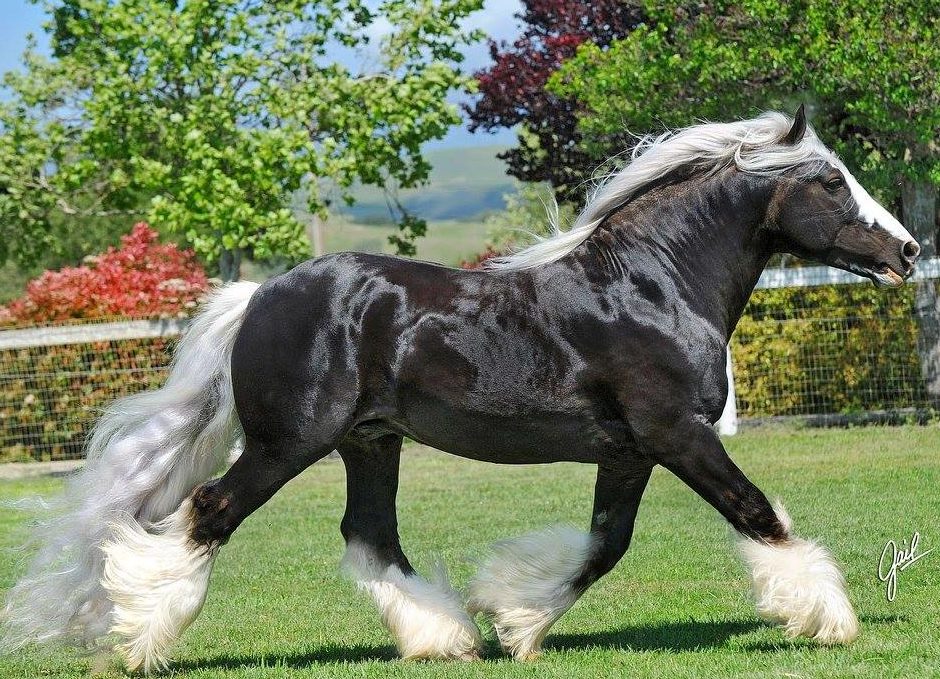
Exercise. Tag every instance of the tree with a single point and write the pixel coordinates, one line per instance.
(215, 111)
(871, 73)
(512, 90)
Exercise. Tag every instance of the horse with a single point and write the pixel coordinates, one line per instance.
(603, 344)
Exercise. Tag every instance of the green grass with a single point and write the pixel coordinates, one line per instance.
(676, 606)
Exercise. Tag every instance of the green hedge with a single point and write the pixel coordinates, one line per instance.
(50, 396)
(827, 349)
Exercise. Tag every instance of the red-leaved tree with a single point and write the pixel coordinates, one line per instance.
(512, 90)
(142, 278)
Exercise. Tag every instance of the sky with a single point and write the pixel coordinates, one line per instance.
(20, 17)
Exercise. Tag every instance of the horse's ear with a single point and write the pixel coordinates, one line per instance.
(799, 128)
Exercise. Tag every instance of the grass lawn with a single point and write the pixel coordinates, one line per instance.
(676, 606)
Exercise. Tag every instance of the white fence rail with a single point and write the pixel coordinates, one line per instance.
(809, 276)
(92, 332)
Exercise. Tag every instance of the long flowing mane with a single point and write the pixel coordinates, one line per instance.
(752, 146)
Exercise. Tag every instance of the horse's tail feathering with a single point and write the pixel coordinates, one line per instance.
(144, 457)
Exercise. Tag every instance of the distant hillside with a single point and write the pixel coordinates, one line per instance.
(465, 184)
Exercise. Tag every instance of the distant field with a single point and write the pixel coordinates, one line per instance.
(464, 184)
(447, 241)
(676, 606)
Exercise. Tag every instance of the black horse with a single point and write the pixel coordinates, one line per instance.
(603, 344)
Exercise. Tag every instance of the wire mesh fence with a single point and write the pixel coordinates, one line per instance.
(56, 381)
(837, 352)
(818, 361)
(810, 344)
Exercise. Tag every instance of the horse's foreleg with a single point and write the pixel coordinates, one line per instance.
(530, 582)
(795, 582)
(427, 619)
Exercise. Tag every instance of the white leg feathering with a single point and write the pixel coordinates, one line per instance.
(798, 585)
(526, 585)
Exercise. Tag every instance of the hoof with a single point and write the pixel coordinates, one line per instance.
(798, 585)
(426, 619)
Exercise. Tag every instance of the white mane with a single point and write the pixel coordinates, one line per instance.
(751, 145)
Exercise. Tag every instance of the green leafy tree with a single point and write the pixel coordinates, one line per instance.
(870, 70)
(213, 112)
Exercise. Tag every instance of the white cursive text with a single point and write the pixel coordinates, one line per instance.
(894, 560)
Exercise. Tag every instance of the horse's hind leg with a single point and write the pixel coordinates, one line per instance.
(531, 581)
(158, 579)
(426, 619)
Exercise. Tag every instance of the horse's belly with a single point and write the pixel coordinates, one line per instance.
(534, 438)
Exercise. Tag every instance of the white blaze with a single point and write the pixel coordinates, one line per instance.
(870, 211)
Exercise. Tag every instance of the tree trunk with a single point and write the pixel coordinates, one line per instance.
(230, 264)
(315, 234)
(919, 205)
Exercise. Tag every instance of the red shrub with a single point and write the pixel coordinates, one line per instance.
(477, 261)
(142, 278)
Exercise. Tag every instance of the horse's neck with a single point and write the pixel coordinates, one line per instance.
(703, 233)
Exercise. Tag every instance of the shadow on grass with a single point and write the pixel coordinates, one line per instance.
(324, 655)
(785, 643)
(666, 636)
(678, 636)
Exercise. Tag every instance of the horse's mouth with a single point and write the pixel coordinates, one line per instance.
(885, 277)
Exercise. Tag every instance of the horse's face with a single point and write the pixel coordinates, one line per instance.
(823, 213)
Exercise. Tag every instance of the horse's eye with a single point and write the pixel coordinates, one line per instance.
(834, 183)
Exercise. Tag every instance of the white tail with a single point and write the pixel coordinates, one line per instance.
(145, 456)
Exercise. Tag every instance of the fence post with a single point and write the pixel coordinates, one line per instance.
(919, 203)
(728, 422)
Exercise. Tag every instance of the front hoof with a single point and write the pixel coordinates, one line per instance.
(798, 585)
(529, 656)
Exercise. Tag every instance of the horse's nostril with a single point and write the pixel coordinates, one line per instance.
(910, 250)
